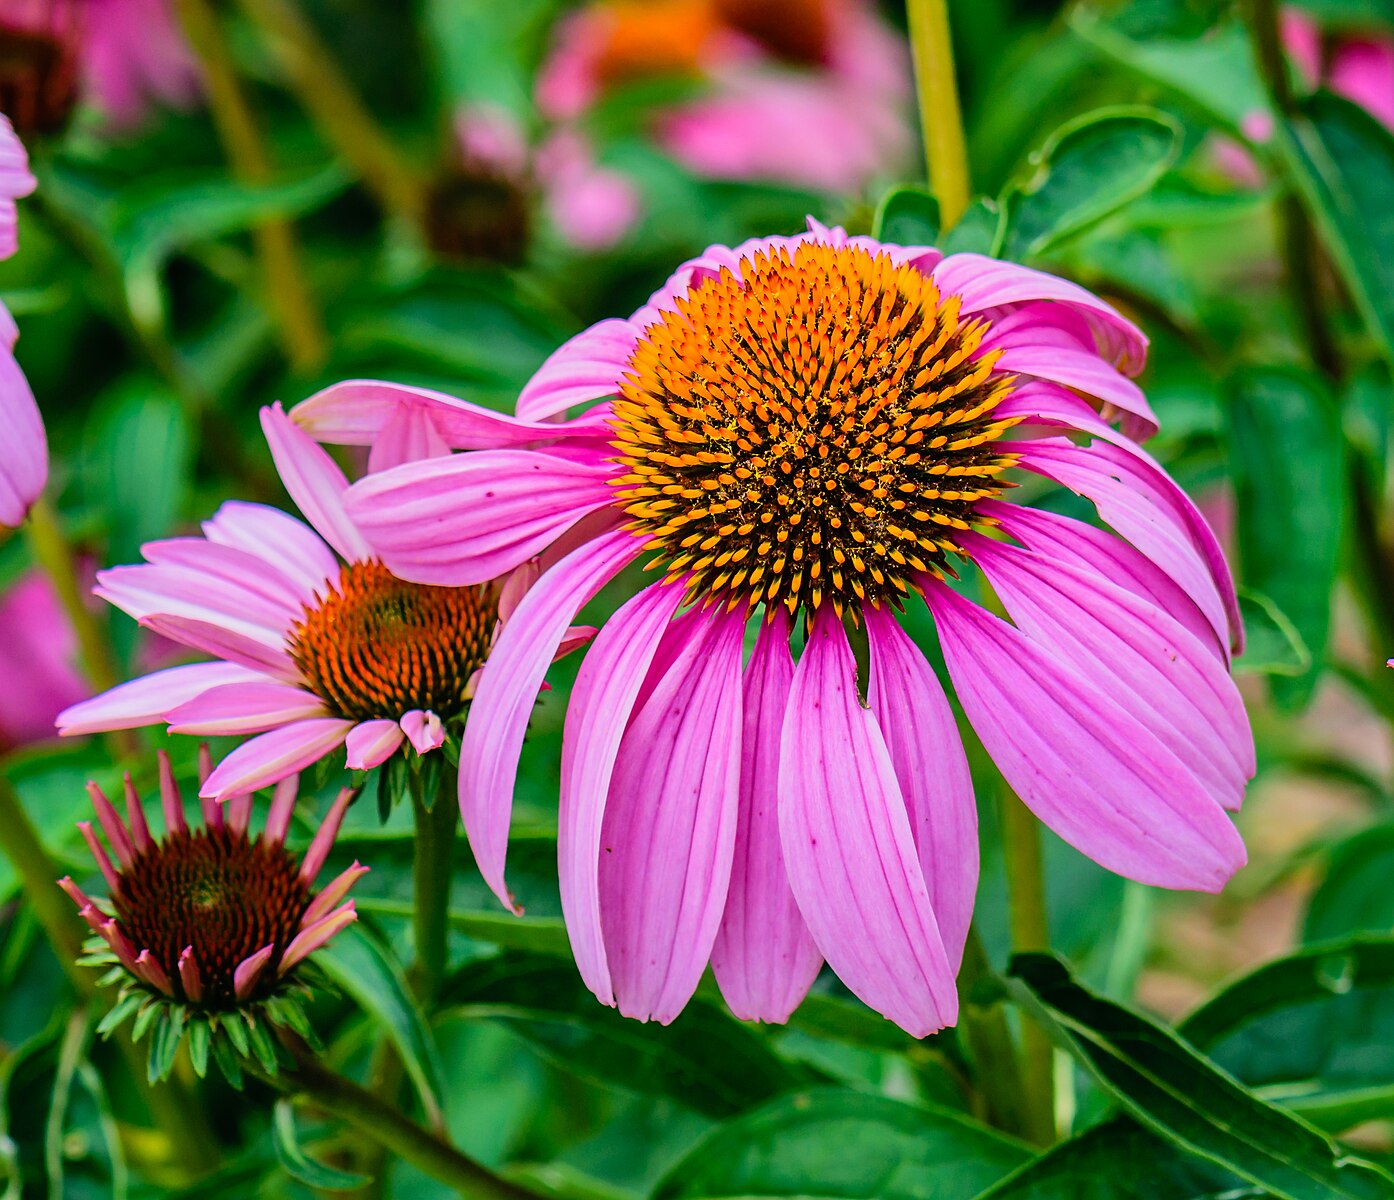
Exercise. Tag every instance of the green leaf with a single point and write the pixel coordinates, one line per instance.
(1288, 466)
(1342, 160)
(1180, 1095)
(1088, 169)
(1272, 645)
(1313, 1031)
(706, 1059)
(299, 1165)
(834, 1143)
(979, 231)
(358, 964)
(1354, 896)
(907, 216)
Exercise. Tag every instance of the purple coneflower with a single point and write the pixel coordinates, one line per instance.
(815, 432)
(210, 922)
(317, 649)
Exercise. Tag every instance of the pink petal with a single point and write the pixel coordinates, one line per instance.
(371, 743)
(606, 688)
(323, 904)
(1078, 760)
(288, 544)
(247, 572)
(23, 445)
(189, 975)
(210, 637)
(171, 802)
(117, 836)
(927, 755)
(323, 841)
(144, 701)
(16, 180)
(586, 368)
(283, 799)
(423, 729)
(148, 590)
(472, 517)
(248, 971)
(408, 435)
(240, 708)
(314, 482)
(272, 756)
(308, 940)
(669, 826)
(355, 413)
(1158, 672)
(507, 691)
(847, 843)
(764, 957)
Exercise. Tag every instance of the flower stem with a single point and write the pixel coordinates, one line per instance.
(384, 1123)
(433, 859)
(176, 1113)
(298, 320)
(989, 1041)
(946, 154)
(1021, 851)
(331, 100)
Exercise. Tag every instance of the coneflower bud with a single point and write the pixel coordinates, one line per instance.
(208, 928)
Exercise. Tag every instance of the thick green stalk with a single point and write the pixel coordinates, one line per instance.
(433, 858)
(1021, 853)
(298, 320)
(983, 1025)
(946, 152)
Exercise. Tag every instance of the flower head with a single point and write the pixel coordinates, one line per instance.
(210, 922)
(316, 649)
(824, 428)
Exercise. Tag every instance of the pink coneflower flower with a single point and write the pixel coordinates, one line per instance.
(23, 445)
(211, 921)
(811, 93)
(120, 56)
(38, 656)
(481, 206)
(320, 645)
(817, 430)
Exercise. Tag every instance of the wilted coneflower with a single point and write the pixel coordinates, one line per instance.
(817, 429)
(317, 650)
(23, 445)
(206, 928)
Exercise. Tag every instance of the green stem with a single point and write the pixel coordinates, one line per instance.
(1021, 851)
(946, 153)
(433, 858)
(299, 325)
(341, 115)
(175, 1112)
(983, 1024)
(384, 1123)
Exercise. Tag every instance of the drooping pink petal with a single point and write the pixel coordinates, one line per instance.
(587, 367)
(314, 482)
(283, 800)
(324, 903)
(246, 974)
(985, 283)
(240, 708)
(424, 730)
(254, 653)
(288, 544)
(408, 435)
(371, 743)
(473, 517)
(272, 756)
(16, 180)
(508, 687)
(117, 835)
(98, 852)
(669, 826)
(238, 811)
(146, 590)
(23, 444)
(356, 412)
(845, 831)
(601, 703)
(310, 939)
(189, 975)
(144, 701)
(1149, 664)
(323, 841)
(1362, 70)
(240, 571)
(155, 975)
(1078, 759)
(926, 752)
(764, 957)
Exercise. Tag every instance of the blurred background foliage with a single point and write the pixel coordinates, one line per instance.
(1118, 144)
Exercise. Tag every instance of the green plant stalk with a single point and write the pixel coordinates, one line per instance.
(384, 1123)
(176, 1113)
(341, 115)
(432, 861)
(299, 324)
(1021, 853)
(946, 152)
(983, 1024)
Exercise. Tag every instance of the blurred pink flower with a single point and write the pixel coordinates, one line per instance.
(120, 56)
(818, 429)
(23, 444)
(317, 643)
(38, 662)
(811, 93)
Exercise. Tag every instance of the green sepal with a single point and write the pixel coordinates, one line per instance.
(236, 1031)
(226, 1058)
(164, 1044)
(200, 1037)
(287, 1011)
(124, 1009)
(146, 1017)
(263, 1044)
